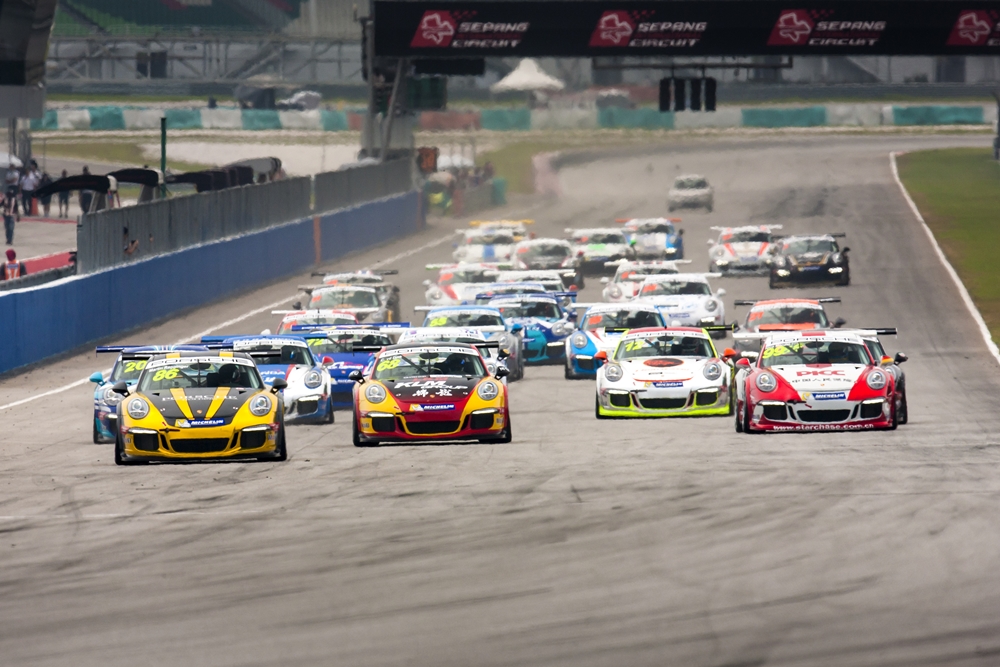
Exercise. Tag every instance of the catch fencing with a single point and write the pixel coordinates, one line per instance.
(120, 236)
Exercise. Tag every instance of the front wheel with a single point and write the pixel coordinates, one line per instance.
(97, 433)
(281, 451)
(597, 408)
(506, 435)
(772, 283)
(902, 412)
(739, 419)
(329, 406)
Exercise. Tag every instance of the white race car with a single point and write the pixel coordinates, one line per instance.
(544, 254)
(309, 320)
(629, 275)
(366, 303)
(691, 191)
(742, 250)
(654, 238)
(601, 326)
(457, 335)
(686, 299)
(551, 280)
(596, 247)
(516, 228)
(484, 245)
(459, 283)
(664, 372)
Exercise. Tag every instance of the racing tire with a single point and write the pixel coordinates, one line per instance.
(356, 434)
(738, 421)
(97, 434)
(281, 451)
(846, 280)
(903, 412)
(597, 408)
(120, 459)
(772, 283)
(330, 418)
(506, 435)
(747, 427)
(566, 372)
(708, 208)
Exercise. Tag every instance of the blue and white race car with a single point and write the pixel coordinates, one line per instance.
(307, 396)
(686, 300)
(654, 238)
(600, 328)
(105, 400)
(546, 324)
(490, 321)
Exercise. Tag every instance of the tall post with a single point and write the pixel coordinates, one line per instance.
(391, 110)
(369, 55)
(163, 157)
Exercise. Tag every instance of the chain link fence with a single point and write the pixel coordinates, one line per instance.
(118, 236)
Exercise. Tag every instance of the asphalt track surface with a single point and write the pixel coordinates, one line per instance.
(666, 542)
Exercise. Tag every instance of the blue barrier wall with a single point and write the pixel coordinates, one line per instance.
(57, 317)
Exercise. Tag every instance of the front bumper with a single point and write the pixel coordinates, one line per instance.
(808, 274)
(310, 408)
(682, 402)
(200, 443)
(388, 427)
(737, 267)
(540, 351)
(865, 415)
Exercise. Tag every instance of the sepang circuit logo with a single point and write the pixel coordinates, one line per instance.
(640, 29)
(975, 27)
(458, 30)
(801, 27)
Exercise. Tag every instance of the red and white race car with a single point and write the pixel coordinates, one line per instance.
(294, 321)
(814, 381)
(774, 315)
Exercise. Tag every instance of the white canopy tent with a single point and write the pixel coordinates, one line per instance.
(527, 76)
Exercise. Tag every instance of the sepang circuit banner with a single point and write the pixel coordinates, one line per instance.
(424, 28)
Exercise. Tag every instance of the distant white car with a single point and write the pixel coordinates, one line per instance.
(685, 300)
(742, 250)
(458, 283)
(691, 191)
(551, 280)
(596, 247)
(625, 285)
(364, 302)
(293, 321)
(544, 254)
(484, 245)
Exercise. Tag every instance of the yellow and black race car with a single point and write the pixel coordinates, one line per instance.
(200, 405)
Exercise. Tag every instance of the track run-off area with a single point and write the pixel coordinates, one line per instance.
(582, 542)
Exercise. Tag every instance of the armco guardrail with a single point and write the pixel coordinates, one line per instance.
(172, 224)
(57, 317)
(352, 185)
(39, 278)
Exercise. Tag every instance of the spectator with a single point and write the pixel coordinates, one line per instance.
(8, 208)
(47, 199)
(129, 247)
(488, 171)
(64, 199)
(86, 196)
(29, 183)
(12, 268)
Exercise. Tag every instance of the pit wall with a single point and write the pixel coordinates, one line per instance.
(833, 115)
(60, 316)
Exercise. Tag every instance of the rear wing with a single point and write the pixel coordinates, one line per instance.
(767, 227)
(622, 221)
(824, 299)
(481, 223)
(878, 331)
(348, 327)
(721, 327)
(484, 345)
(126, 354)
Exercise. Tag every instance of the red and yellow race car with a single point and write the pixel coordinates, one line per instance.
(429, 392)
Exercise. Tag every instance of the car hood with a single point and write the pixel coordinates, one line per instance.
(657, 240)
(484, 252)
(603, 340)
(199, 403)
(678, 302)
(656, 369)
(809, 258)
(744, 249)
(289, 372)
(603, 249)
(432, 389)
(820, 377)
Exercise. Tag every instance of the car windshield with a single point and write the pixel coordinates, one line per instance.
(199, 373)
(629, 319)
(802, 246)
(344, 298)
(452, 276)
(286, 355)
(127, 371)
(341, 342)
(875, 347)
(814, 352)
(690, 183)
(602, 237)
(464, 318)
(788, 315)
(542, 309)
(545, 250)
(424, 362)
(655, 228)
(352, 279)
(666, 345)
(675, 287)
(638, 274)
(745, 237)
(286, 325)
(500, 238)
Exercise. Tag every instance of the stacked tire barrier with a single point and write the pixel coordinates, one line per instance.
(501, 120)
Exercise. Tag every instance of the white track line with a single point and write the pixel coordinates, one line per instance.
(976, 315)
(227, 323)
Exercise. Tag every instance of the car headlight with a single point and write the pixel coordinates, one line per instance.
(491, 368)
(711, 305)
(375, 393)
(766, 382)
(613, 372)
(562, 328)
(877, 380)
(313, 379)
(488, 390)
(778, 261)
(614, 291)
(506, 341)
(713, 371)
(109, 397)
(138, 408)
(437, 294)
(579, 340)
(835, 258)
(671, 251)
(260, 405)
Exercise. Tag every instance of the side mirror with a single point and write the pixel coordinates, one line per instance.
(502, 372)
(516, 328)
(502, 354)
(605, 280)
(278, 385)
(265, 332)
(729, 353)
(328, 361)
(120, 388)
(680, 232)
(571, 315)
(839, 322)
(356, 376)
(845, 250)
(97, 377)
(743, 362)
(297, 305)
(720, 292)
(602, 356)
(427, 283)
(900, 357)
(710, 242)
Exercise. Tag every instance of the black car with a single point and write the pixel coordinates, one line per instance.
(809, 259)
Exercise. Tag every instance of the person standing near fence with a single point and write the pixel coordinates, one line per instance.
(12, 268)
(8, 208)
(29, 183)
(86, 196)
(45, 201)
(64, 199)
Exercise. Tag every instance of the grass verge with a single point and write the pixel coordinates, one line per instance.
(115, 152)
(513, 162)
(958, 192)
